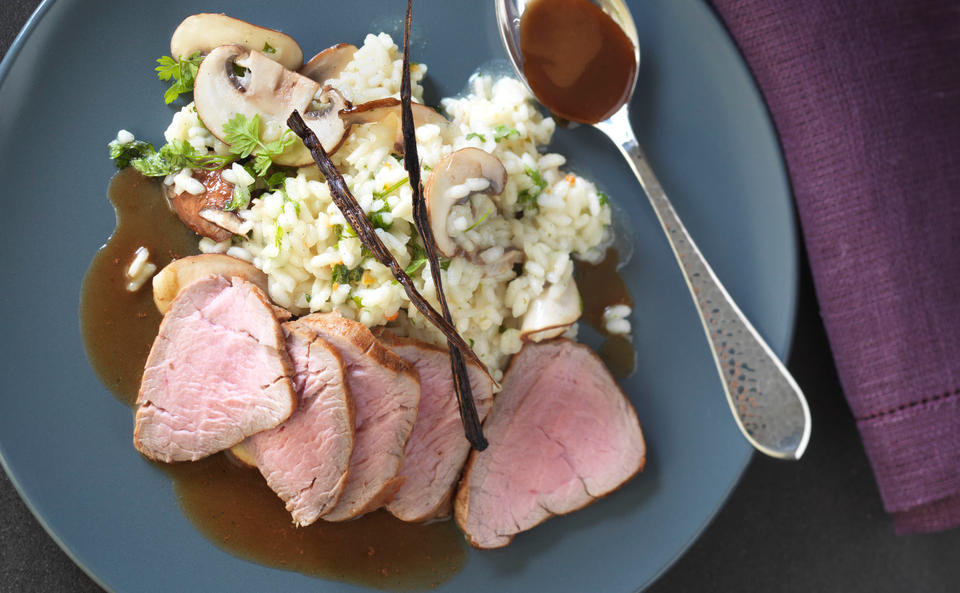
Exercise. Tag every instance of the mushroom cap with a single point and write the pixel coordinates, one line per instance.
(455, 169)
(329, 63)
(271, 91)
(169, 281)
(551, 313)
(205, 31)
(381, 109)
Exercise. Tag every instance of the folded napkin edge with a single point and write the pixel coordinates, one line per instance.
(915, 452)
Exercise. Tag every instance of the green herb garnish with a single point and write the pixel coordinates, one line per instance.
(275, 181)
(528, 197)
(377, 220)
(418, 257)
(343, 275)
(170, 158)
(183, 71)
(269, 49)
(344, 232)
(604, 200)
(479, 220)
(123, 153)
(502, 132)
(476, 135)
(239, 200)
(243, 136)
(389, 190)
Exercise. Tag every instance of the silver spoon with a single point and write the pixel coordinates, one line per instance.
(766, 402)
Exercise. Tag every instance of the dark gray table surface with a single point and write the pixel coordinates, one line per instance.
(812, 526)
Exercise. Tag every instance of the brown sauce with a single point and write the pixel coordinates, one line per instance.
(577, 60)
(229, 504)
(119, 326)
(603, 287)
(236, 510)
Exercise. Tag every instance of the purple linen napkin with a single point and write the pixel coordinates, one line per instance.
(865, 95)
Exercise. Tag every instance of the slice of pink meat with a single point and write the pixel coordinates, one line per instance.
(386, 393)
(437, 448)
(561, 435)
(217, 373)
(306, 459)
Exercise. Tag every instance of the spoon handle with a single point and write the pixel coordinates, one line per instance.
(766, 402)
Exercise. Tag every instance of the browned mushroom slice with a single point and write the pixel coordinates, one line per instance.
(442, 189)
(381, 109)
(197, 210)
(169, 281)
(204, 32)
(329, 63)
(271, 91)
(551, 313)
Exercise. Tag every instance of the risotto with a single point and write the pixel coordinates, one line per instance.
(512, 248)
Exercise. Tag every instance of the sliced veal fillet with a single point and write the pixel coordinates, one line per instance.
(561, 435)
(437, 448)
(386, 393)
(306, 459)
(218, 372)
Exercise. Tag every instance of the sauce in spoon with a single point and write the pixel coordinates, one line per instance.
(578, 62)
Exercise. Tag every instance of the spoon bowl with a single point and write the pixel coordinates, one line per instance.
(767, 404)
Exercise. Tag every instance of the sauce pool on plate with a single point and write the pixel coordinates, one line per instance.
(604, 287)
(232, 505)
(576, 59)
(118, 325)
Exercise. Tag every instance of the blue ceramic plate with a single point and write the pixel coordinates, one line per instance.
(83, 69)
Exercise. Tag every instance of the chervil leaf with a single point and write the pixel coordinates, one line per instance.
(182, 71)
(261, 163)
(275, 181)
(242, 134)
(243, 137)
(123, 153)
(173, 157)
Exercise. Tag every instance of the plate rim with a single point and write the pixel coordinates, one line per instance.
(792, 306)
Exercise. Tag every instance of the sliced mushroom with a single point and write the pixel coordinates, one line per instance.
(180, 272)
(267, 89)
(381, 109)
(325, 121)
(455, 169)
(228, 221)
(204, 32)
(242, 455)
(329, 63)
(551, 313)
(204, 213)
